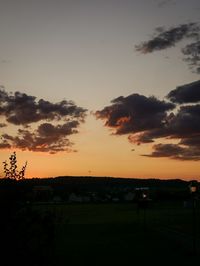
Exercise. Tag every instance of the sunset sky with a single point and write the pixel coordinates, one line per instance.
(101, 87)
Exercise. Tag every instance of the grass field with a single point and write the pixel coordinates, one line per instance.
(119, 234)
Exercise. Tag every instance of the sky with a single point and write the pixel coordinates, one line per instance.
(101, 87)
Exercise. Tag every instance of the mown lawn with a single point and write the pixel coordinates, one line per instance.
(120, 234)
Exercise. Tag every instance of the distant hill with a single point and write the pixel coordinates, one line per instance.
(104, 180)
(99, 181)
(63, 186)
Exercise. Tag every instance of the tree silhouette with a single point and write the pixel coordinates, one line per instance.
(12, 172)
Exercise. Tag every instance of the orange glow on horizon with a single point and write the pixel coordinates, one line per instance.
(101, 154)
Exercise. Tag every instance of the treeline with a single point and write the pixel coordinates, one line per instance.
(82, 185)
(95, 182)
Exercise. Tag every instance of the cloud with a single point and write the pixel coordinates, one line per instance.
(55, 122)
(175, 151)
(188, 93)
(147, 119)
(192, 56)
(135, 113)
(166, 150)
(23, 109)
(193, 141)
(46, 138)
(164, 3)
(182, 124)
(186, 122)
(2, 125)
(163, 39)
(4, 61)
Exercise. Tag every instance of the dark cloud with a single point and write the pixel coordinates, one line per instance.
(49, 130)
(147, 119)
(166, 150)
(24, 110)
(141, 138)
(47, 138)
(163, 39)
(2, 125)
(164, 3)
(4, 61)
(192, 141)
(192, 56)
(182, 125)
(175, 151)
(189, 93)
(5, 145)
(134, 113)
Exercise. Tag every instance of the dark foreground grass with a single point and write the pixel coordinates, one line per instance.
(118, 245)
(120, 234)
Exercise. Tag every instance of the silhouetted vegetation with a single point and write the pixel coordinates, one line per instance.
(12, 172)
(38, 220)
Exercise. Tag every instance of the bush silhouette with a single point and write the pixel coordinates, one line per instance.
(12, 172)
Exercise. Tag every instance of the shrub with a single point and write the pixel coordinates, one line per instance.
(12, 172)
